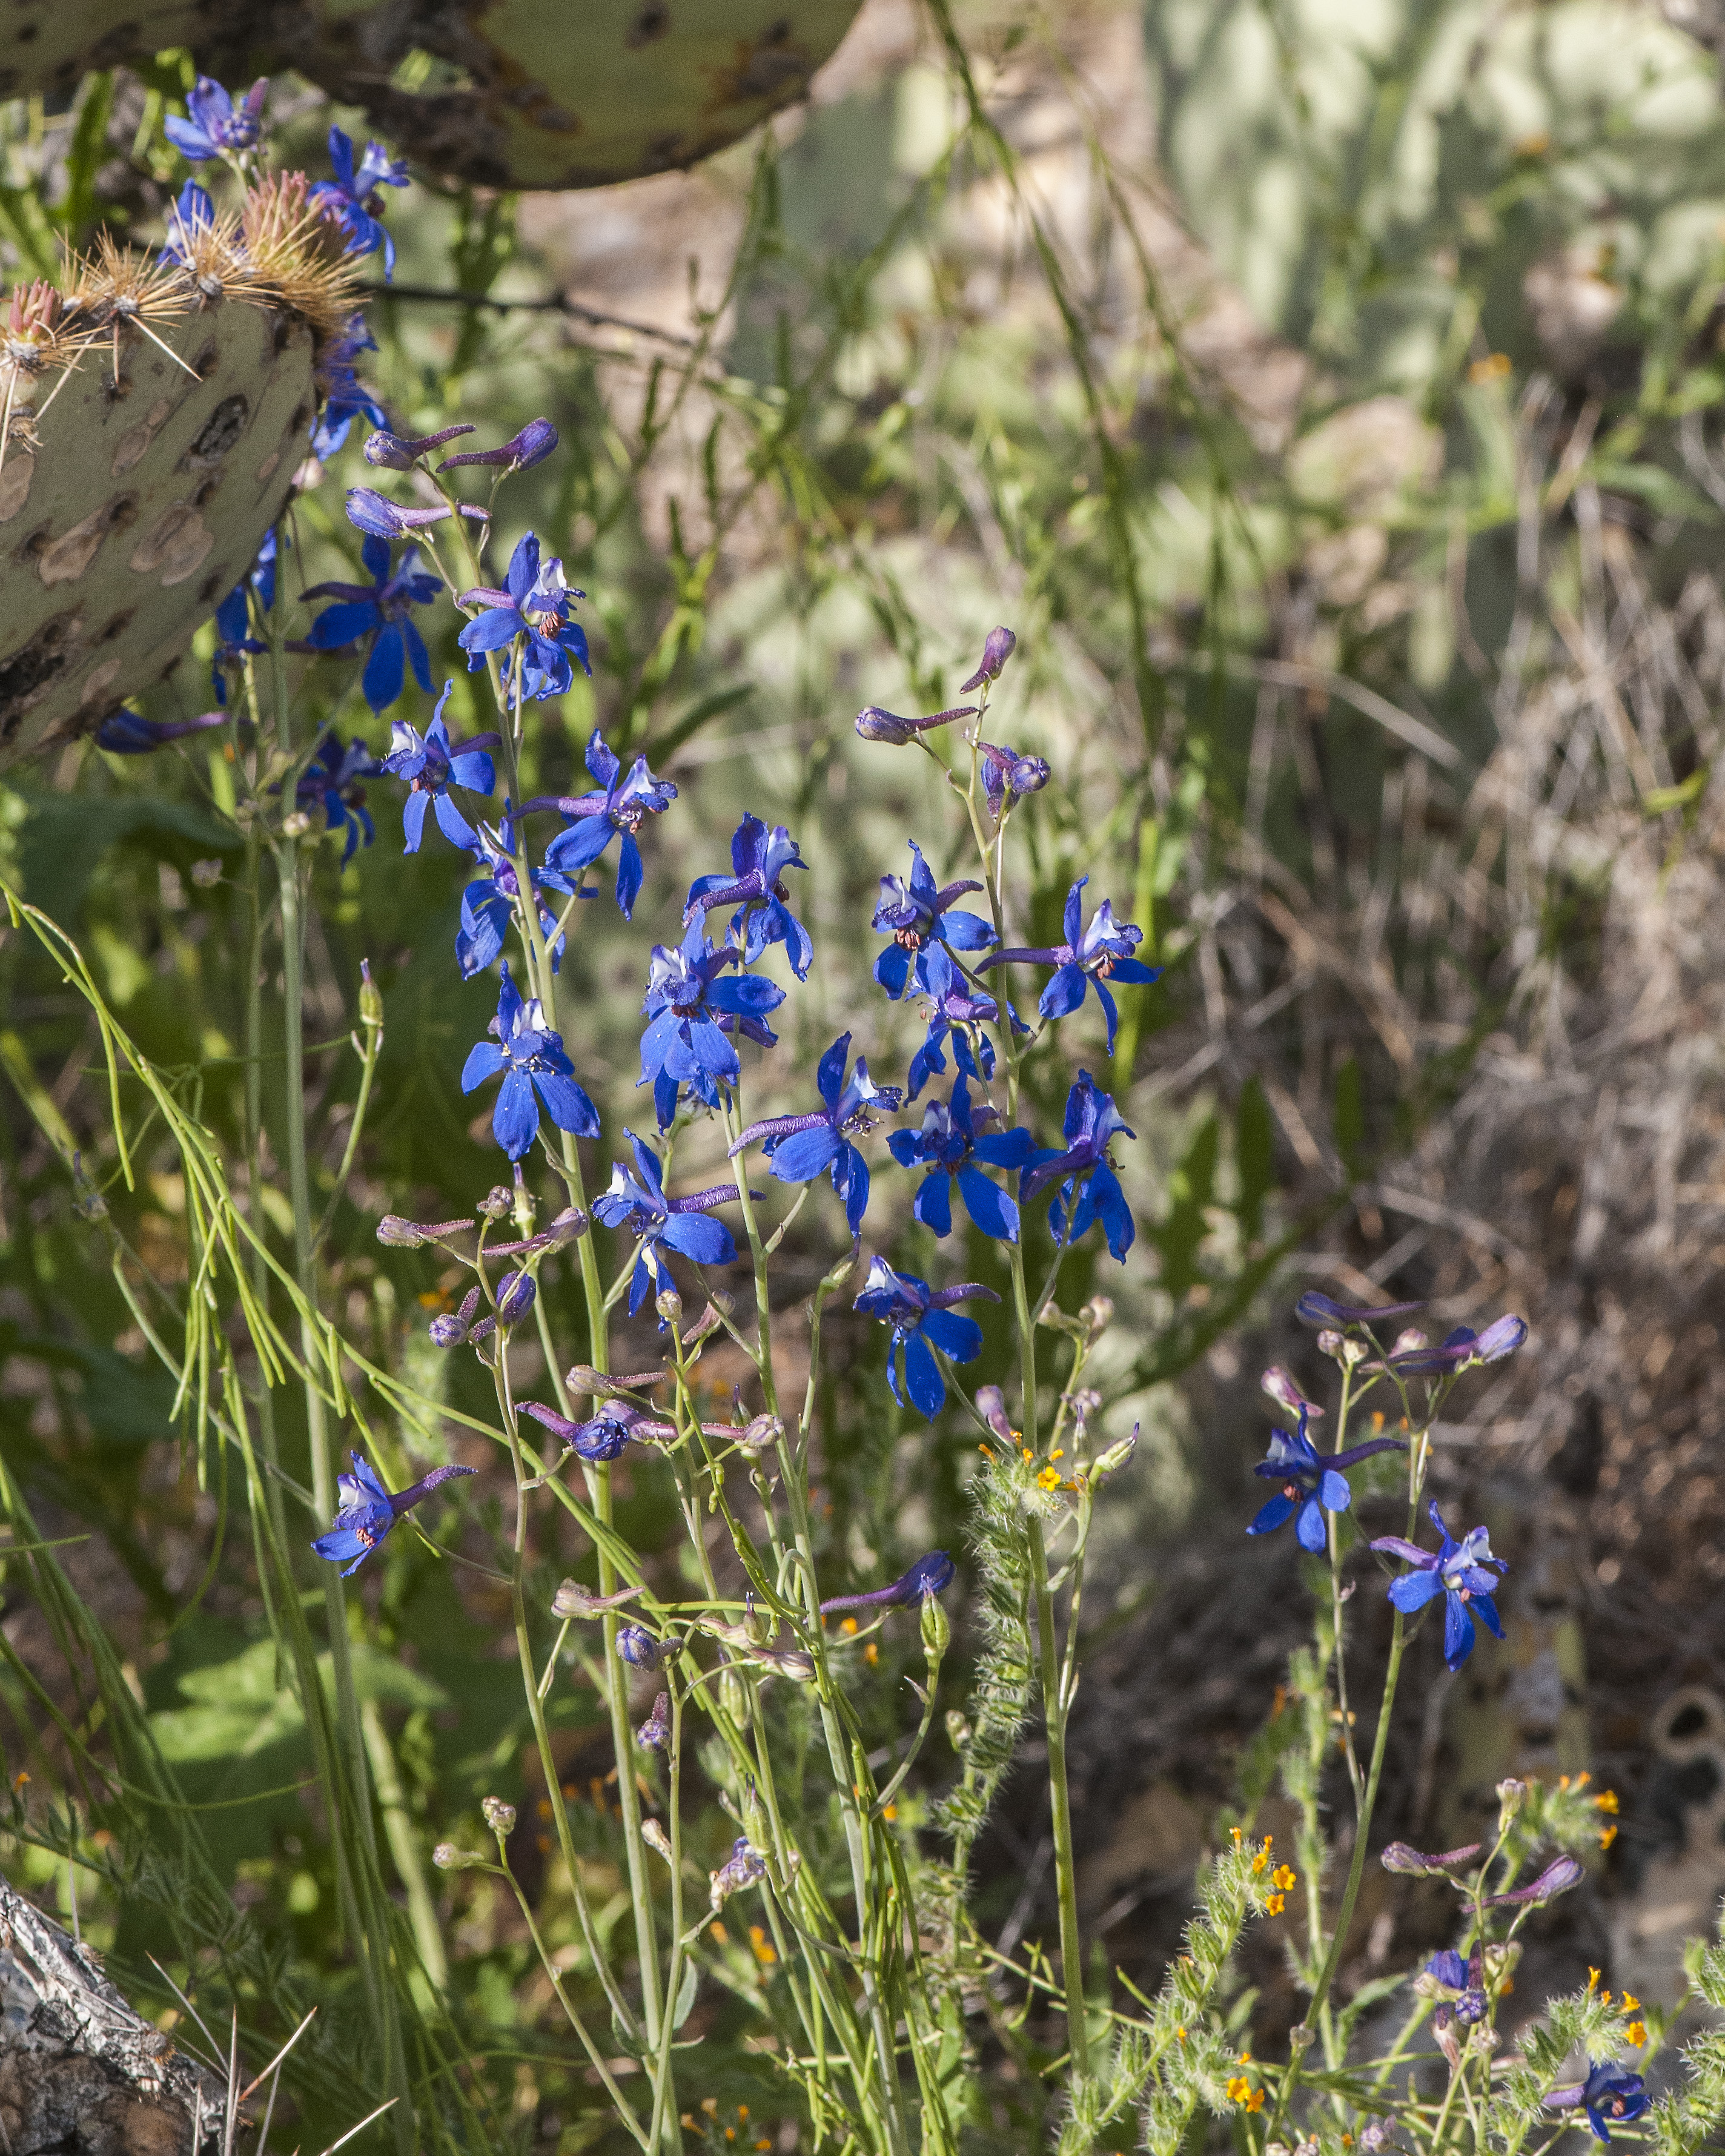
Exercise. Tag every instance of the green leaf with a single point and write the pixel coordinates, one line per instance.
(685, 1992)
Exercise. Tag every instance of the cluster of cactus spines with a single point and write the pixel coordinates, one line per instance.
(644, 88)
(152, 417)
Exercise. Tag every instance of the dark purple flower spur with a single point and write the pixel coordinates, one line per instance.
(930, 1575)
(368, 1511)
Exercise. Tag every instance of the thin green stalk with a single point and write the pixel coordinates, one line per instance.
(404, 1847)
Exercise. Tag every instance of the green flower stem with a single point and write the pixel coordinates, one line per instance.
(404, 1847)
(794, 1473)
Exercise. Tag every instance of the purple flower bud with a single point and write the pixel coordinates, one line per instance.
(874, 724)
(1407, 1342)
(497, 1201)
(1315, 1309)
(1281, 1389)
(412, 1234)
(531, 446)
(375, 513)
(454, 1328)
(997, 649)
(1558, 1876)
(515, 1293)
(1004, 772)
(638, 1647)
(400, 452)
(654, 1734)
(1415, 1863)
(991, 1406)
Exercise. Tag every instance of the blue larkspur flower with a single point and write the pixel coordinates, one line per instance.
(1460, 1983)
(535, 1070)
(957, 1009)
(1611, 2095)
(1088, 958)
(488, 902)
(332, 780)
(1312, 1483)
(368, 1511)
(637, 1203)
(534, 605)
(618, 810)
(930, 1575)
(1464, 1572)
(352, 196)
(1089, 1187)
(381, 611)
(691, 1008)
(345, 397)
(760, 854)
(953, 1138)
(803, 1147)
(431, 763)
(922, 1319)
(602, 1436)
(915, 912)
(215, 123)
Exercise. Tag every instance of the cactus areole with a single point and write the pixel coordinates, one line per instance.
(515, 96)
(152, 418)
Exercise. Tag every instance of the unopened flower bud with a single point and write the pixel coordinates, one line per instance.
(370, 997)
(448, 1858)
(842, 1272)
(759, 1435)
(638, 1647)
(936, 1629)
(515, 1295)
(531, 446)
(454, 1327)
(1407, 1342)
(958, 1729)
(401, 452)
(1449, 2038)
(655, 1837)
(296, 825)
(1329, 1343)
(206, 875)
(743, 1866)
(876, 724)
(1098, 1314)
(991, 1406)
(1280, 1386)
(997, 647)
(1118, 1455)
(668, 1304)
(497, 1203)
(1512, 1796)
(499, 1816)
(413, 1234)
(654, 1734)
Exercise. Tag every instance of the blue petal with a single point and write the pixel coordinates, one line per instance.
(830, 1072)
(453, 825)
(850, 1176)
(1333, 1491)
(515, 1120)
(1458, 1631)
(1270, 1515)
(418, 657)
(966, 931)
(339, 626)
(580, 844)
(892, 969)
(800, 1157)
(699, 1236)
(1486, 1609)
(412, 820)
(630, 873)
(988, 1206)
(922, 1378)
(567, 1104)
(484, 1061)
(958, 1337)
(1412, 1590)
(494, 628)
(1310, 1528)
(381, 683)
(934, 1202)
(1064, 993)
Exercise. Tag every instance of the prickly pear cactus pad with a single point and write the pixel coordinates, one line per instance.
(515, 96)
(152, 418)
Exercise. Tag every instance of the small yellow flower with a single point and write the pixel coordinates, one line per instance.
(871, 1654)
(1275, 1906)
(1636, 2033)
(765, 1953)
(1254, 2102)
(890, 1813)
(1236, 1832)
(1239, 2089)
(742, 2110)
(710, 2104)
(1608, 1835)
(1606, 1800)
(1593, 1980)
(1629, 2003)
(1049, 1479)
(849, 1627)
(1492, 368)
(723, 1937)
(1284, 1878)
(1261, 1862)
(1180, 2034)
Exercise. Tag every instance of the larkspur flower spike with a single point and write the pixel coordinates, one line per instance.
(368, 1511)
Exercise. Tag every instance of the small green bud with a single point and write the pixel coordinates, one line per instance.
(936, 1629)
(668, 1304)
(499, 1816)
(371, 997)
(1512, 1796)
(1118, 1456)
(448, 1858)
(958, 1729)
